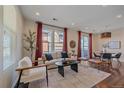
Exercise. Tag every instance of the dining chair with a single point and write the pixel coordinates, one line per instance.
(96, 56)
(117, 56)
(106, 59)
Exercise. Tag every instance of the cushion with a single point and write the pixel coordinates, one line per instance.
(25, 62)
(40, 61)
(49, 57)
(35, 74)
(64, 55)
(54, 55)
(58, 54)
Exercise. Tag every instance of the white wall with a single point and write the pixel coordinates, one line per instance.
(9, 75)
(117, 35)
(95, 42)
(72, 35)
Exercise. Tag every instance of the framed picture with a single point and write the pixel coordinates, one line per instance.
(114, 45)
(72, 44)
(106, 35)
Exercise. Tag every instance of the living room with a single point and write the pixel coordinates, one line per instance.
(64, 29)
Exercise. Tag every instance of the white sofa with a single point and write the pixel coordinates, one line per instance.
(56, 58)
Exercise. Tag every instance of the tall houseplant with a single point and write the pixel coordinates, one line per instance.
(30, 39)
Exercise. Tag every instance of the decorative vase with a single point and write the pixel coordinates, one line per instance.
(35, 63)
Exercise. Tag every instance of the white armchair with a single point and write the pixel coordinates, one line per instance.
(29, 73)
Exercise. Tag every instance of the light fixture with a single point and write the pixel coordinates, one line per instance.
(119, 16)
(72, 23)
(37, 13)
(55, 19)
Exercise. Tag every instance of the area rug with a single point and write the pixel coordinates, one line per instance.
(87, 77)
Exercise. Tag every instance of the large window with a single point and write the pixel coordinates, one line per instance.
(9, 36)
(85, 46)
(8, 48)
(52, 39)
(58, 41)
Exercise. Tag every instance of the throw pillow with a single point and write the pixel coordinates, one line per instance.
(49, 57)
(64, 55)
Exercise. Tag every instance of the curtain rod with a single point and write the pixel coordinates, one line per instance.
(85, 32)
(61, 27)
(53, 26)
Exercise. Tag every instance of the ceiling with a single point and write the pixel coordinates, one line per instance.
(86, 18)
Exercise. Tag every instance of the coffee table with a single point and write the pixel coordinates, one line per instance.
(73, 65)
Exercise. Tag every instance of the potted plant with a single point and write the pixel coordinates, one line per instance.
(30, 39)
(73, 52)
(104, 47)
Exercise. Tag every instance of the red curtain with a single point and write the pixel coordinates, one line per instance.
(65, 40)
(90, 45)
(79, 44)
(39, 41)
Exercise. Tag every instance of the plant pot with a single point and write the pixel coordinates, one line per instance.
(35, 63)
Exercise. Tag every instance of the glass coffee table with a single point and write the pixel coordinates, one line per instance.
(73, 65)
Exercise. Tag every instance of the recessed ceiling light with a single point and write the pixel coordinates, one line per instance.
(55, 19)
(72, 23)
(119, 16)
(37, 13)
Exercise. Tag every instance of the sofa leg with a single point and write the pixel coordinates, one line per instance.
(47, 76)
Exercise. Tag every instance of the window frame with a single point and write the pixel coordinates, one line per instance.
(52, 43)
(83, 45)
(12, 47)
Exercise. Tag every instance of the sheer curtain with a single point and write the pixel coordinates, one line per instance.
(52, 39)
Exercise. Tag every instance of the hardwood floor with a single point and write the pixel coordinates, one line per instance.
(116, 80)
